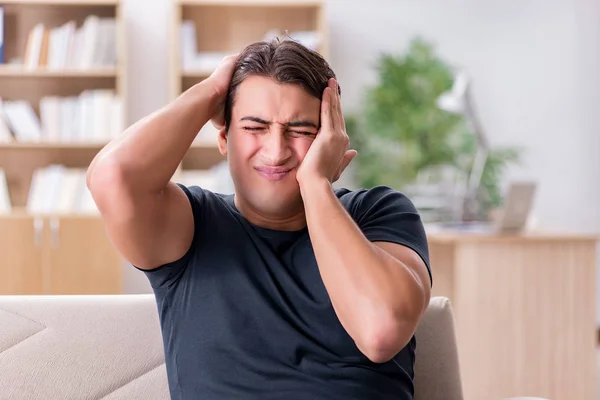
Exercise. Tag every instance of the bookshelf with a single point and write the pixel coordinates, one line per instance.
(204, 31)
(62, 98)
(19, 72)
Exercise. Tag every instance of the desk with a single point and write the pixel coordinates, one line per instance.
(525, 312)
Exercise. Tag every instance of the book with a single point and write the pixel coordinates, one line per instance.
(33, 49)
(57, 189)
(22, 120)
(93, 116)
(67, 46)
(5, 205)
(5, 134)
(217, 179)
(1, 35)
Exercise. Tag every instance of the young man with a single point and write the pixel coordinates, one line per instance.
(286, 289)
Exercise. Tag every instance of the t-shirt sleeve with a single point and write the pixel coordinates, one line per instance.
(386, 215)
(165, 275)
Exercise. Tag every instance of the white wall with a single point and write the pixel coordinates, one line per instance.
(534, 81)
(146, 24)
(147, 30)
(534, 63)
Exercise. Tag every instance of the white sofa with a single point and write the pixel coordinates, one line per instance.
(110, 347)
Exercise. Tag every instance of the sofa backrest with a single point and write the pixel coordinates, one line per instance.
(437, 371)
(110, 347)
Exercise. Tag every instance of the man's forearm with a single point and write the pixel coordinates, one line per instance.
(149, 152)
(368, 288)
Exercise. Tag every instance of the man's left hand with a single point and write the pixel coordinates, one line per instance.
(328, 155)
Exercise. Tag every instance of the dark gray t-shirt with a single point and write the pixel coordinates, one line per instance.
(245, 315)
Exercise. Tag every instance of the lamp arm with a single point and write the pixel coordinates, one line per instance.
(474, 120)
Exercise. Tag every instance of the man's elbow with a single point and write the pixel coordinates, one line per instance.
(386, 339)
(105, 183)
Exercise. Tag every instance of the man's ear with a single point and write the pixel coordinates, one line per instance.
(222, 141)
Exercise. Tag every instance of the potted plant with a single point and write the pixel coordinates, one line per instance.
(401, 134)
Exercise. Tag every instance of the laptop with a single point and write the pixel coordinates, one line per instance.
(511, 219)
(518, 203)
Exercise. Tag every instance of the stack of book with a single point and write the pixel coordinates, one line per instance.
(95, 116)
(206, 61)
(93, 45)
(216, 179)
(56, 189)
(59, 190)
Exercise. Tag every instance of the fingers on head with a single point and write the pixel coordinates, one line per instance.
(326, 108)
(331, 104)
(336, 101)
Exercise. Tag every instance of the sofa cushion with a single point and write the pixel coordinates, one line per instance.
(110, 348)
(81, 347)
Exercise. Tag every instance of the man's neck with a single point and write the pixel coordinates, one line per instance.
(289, 221)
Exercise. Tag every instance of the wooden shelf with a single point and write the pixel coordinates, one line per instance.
(251, 3)
(21, 212)
(18, 72)
(202, 156)
(61, 2)
(442, 238)
(19, 160)
(203, 145)
(196, 73)
(226, 26)
(51, 146)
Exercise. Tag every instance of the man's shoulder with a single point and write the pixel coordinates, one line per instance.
(384, 196)
(376, 191)
(207, 198)
(212, 211)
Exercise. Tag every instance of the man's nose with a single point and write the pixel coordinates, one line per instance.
(275, 147)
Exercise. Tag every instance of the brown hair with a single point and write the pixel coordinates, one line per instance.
(285, 61)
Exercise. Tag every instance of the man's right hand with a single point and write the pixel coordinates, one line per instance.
(219, 80)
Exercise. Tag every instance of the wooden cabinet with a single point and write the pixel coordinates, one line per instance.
(57, 255)
(524, 310)
(82, 258)
(21, 255)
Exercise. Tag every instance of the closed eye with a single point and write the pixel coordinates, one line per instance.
(252, 128)
(303, 132)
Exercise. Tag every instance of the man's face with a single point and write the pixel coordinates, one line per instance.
(272, 127)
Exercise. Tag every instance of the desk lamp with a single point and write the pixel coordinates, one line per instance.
(458, 101)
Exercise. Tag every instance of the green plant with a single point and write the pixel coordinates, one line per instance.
(401, 131)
